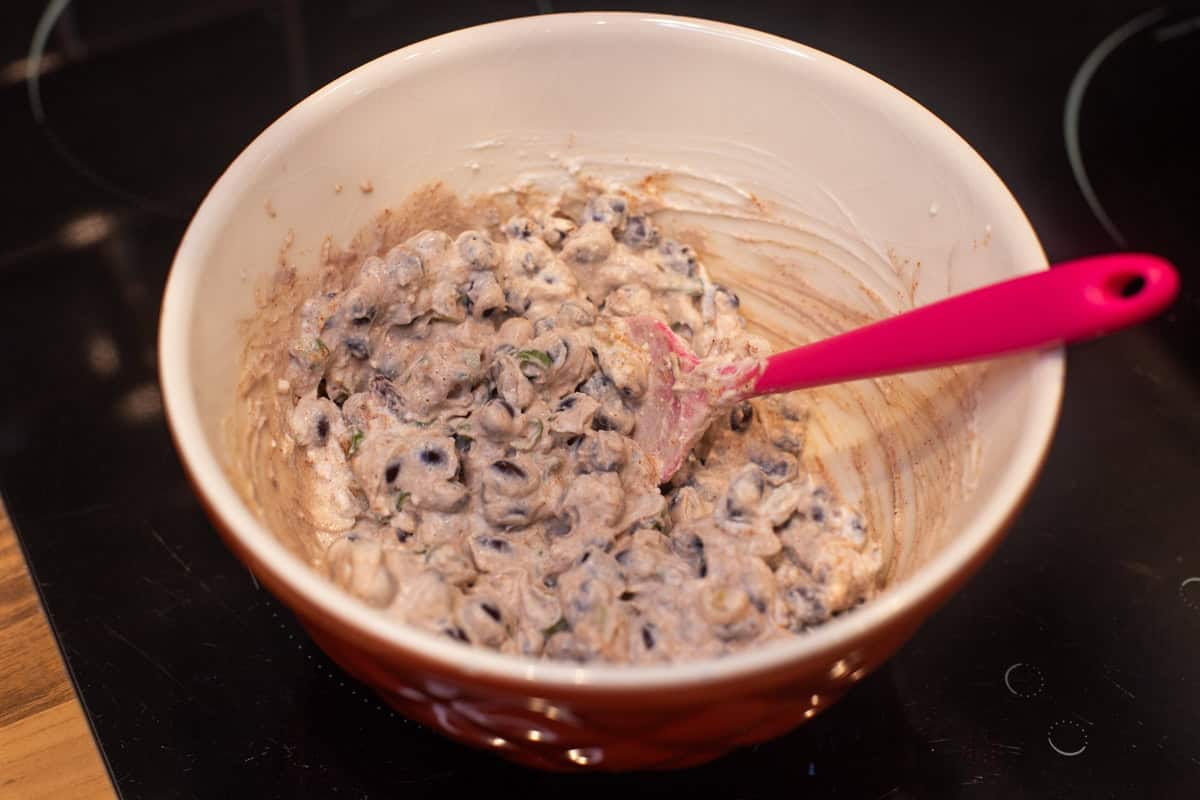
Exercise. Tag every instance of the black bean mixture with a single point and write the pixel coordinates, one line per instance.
(467, 412)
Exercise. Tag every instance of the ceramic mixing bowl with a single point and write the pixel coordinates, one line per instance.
(825, 197)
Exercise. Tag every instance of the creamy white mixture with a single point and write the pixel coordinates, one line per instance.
(465, 408)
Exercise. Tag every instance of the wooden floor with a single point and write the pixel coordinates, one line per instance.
(46, 746)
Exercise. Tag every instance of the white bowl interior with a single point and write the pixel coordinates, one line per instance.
(823, 196)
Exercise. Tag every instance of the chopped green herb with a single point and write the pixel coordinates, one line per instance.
(539, 356)
(557, 627)
(401, 499)
(320, 347)
(356, 439)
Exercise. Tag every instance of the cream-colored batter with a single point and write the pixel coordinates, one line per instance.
(463, 413)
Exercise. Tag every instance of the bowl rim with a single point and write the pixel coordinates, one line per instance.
(924, 588)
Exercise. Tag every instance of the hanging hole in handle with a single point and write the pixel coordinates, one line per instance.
(1126, 286)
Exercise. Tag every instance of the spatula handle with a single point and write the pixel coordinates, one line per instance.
(1071, 302)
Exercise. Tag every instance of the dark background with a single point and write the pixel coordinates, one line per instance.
(200, 685)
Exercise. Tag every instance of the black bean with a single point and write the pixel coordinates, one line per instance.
(626, 596)
(560, 351)
(519, 228)
(499, 545)
(639, 233)
(596, 454)
(602, 423)
(605, 209)
(790, 412)
(433, 456)
(733, 510)
(509, 469)
(598, 385)
(477, 250)
(391, 472)
(491, 611)
(678, 257)
(386, 392)
(457, 633)
(516, 517)
(740, 417)
(560, 525)
(690, 546)
(787, 443)
(322, 428)
(402, 536)
(769, 466)
(357, 348)
(647, 637)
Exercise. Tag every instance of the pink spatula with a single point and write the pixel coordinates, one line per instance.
(1072, 302)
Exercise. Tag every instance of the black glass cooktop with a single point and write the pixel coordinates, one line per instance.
(1069, 667)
